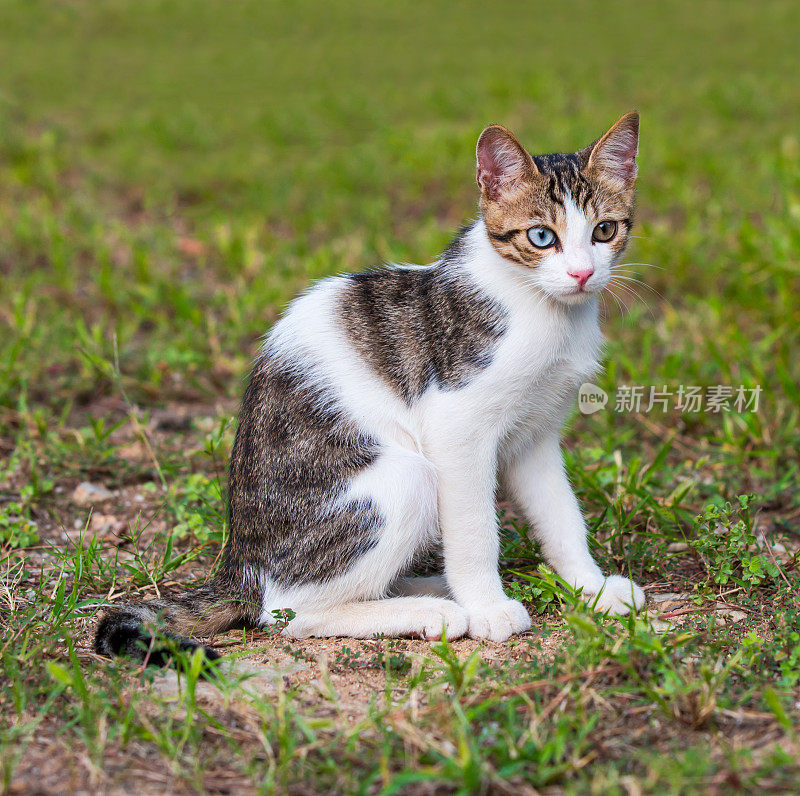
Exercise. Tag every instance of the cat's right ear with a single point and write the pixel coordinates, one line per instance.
(504, 166)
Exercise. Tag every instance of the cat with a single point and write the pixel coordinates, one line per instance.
(386, 407)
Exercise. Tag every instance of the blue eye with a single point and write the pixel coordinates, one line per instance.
(542, 237)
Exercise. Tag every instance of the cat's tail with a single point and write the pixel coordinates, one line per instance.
(150, 631)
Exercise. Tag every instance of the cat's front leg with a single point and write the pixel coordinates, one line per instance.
(470, 539)
(539, 484)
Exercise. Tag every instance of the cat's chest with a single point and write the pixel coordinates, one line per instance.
(546, 356)
(539, 370)
(549, 391)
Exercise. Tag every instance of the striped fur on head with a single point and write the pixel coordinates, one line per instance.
(520, 191)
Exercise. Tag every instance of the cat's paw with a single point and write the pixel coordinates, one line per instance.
(617, 595)
(498, 621)
(447, 614)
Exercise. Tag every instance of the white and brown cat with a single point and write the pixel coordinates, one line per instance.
(386, 407)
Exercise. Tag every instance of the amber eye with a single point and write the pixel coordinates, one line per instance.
(604, 231)
(542, 237)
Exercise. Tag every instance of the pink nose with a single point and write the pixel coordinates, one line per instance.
(582, 275)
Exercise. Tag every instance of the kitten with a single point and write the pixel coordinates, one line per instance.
(386, 406)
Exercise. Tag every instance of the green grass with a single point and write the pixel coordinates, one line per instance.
(173, 173)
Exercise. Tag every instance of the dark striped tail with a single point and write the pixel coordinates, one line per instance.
(140, 631)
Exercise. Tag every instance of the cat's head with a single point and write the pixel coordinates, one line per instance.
(565, 219)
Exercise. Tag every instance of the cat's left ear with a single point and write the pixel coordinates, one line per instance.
(614, 155)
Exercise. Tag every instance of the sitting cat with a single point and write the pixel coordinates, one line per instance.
(386, 406)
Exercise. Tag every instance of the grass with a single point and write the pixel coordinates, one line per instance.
(171, 174)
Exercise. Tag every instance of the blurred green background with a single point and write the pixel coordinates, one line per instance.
(172, 173)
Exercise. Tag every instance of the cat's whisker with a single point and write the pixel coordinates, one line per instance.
(608, 310)
(603, 307)
(632, 292)
(637, 297)
(643, 265)
(628, 278)
(623, 308)
(643, 284)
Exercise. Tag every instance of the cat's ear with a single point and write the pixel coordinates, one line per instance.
(614, 155)
(503, 164)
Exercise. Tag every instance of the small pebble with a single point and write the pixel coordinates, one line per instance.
(86, 494)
